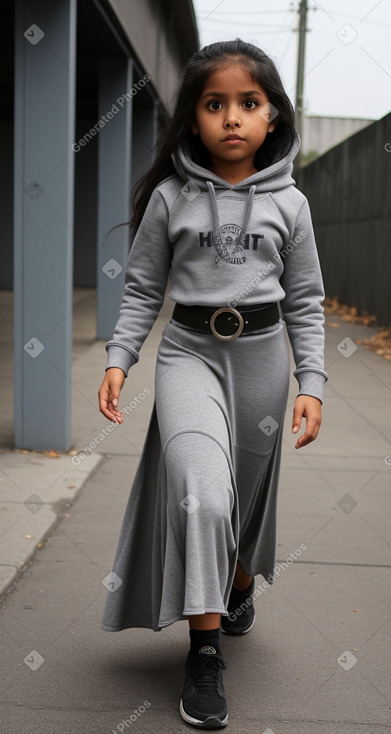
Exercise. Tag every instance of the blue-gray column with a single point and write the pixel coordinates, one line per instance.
(114, 177)
(45, 58)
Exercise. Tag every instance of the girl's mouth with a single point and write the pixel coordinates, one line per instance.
(232, 136)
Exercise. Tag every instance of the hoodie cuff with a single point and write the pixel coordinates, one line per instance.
(311, 383)
(119, 357)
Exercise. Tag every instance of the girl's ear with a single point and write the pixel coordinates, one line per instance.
(273, 125)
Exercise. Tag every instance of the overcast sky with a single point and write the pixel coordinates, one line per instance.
(347, 61)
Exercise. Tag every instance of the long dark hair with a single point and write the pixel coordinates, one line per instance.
(189, 89)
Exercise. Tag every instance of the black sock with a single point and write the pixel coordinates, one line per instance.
(245, 592)
(205, 638)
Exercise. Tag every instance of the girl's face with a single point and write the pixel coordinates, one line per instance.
(232, 103)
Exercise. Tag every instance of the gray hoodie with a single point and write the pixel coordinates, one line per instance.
(236, 245)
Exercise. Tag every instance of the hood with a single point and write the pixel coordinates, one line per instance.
(274, 177)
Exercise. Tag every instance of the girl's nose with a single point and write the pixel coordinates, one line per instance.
(232, 120)
(232, 123)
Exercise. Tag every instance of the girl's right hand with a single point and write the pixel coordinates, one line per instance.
(109, 394)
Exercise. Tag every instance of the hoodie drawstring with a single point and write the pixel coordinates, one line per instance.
(216, 224)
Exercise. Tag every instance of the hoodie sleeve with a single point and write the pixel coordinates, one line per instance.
(302, 306)
(146, 276)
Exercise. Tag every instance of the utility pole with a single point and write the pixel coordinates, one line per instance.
(299, 113)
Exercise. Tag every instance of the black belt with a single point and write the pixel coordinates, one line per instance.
(231, 322)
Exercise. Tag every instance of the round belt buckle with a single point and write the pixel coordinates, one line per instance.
(229, 337)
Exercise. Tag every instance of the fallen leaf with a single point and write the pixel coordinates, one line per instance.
(379, 343)
(52, 454)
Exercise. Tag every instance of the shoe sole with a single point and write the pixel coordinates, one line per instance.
(238, 633)
(212, 722)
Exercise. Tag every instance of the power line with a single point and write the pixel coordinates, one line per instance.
(276, 37)
(244, 12)
(264, 33)
(287, 46)
(250, 23)
(356, 17)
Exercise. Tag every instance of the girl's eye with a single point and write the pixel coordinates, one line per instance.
(251, 101)
(214, 102)
(246, 102)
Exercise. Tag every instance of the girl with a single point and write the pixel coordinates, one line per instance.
(220, 207)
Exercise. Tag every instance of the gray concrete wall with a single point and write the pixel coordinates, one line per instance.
(150, 28)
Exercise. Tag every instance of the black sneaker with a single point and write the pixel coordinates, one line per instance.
(203, 701)
(241, 613)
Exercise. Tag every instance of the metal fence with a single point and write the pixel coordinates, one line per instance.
(349, 192)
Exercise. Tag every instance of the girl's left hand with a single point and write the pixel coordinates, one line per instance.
(311, 409)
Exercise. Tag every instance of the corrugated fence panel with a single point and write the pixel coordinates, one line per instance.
(349, 191)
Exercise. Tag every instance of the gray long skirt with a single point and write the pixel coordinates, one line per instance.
(205, 491)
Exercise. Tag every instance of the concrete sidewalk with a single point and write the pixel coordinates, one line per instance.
(37, 488)
(317, 659)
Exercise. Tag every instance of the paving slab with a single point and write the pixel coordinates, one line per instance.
(35, 491)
